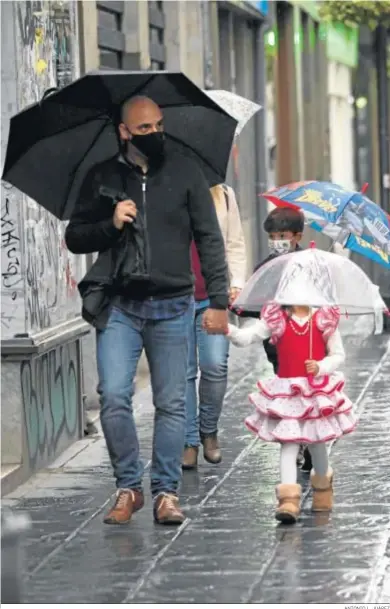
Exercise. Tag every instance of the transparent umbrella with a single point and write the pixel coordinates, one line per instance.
(313, 278)
(240, 108)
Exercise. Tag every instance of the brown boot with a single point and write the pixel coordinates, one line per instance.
(211, 450)
(167, 509)
(190, 457)
(289, 506)
(128, 501)
(322, 491)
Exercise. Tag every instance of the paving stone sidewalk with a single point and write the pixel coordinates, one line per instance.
(229, 549)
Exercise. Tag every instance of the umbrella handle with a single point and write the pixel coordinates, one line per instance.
(317, 385)
(310, 377)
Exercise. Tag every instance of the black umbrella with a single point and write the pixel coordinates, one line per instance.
(54, 143)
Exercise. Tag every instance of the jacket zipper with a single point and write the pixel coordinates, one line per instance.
(146, 239)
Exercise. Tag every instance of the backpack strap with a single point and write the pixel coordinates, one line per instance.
(226, 193)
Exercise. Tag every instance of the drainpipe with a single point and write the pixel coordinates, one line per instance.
(232, 53)
(383, 118)
(261, 134)
(207, 49)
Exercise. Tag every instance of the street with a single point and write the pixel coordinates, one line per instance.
(155, 150)
(229, 549)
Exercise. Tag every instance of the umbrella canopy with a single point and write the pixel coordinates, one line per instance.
(241, 108)
(53, 144)
(346, 216)
(311, 278)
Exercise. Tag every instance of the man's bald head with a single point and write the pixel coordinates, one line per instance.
(138, 103)
(139, 116)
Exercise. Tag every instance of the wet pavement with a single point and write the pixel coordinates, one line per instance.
(229, 549)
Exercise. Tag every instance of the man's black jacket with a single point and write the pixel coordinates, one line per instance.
(175, 207)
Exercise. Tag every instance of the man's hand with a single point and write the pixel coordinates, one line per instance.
(125, 212)
(312, 367)
(215, 321)
(233, 294)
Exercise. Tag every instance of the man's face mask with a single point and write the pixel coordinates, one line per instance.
(151, 145)
(279, 246)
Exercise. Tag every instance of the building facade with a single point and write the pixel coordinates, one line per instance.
(48, 363)
(217, 45)
(40, 320)
(235, 61)
(371, 99)
(342, 54)
(298, 144)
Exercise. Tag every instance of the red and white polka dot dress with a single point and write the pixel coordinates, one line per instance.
(290, 407)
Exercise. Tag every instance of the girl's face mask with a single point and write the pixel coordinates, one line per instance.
(279, 246)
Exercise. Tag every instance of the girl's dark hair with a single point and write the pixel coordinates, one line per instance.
(284, 219)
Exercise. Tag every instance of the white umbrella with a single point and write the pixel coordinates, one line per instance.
(313, 278)
(240, 108)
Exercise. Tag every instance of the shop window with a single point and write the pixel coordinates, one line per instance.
(111, 39)
(110, 59)
(157, 65)
(156, 35)
(158, 6)
(109, 19)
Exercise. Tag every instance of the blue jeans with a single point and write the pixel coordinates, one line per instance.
(211, 352)
(119, 347)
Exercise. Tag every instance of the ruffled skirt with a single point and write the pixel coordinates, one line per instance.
(291, 410)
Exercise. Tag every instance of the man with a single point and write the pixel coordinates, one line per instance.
(167, 203)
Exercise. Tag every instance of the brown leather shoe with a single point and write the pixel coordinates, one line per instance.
(211, 450)
(167, 509)
(190, 457)
(128, 501)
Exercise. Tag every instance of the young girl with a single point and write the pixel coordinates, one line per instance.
(305, 402)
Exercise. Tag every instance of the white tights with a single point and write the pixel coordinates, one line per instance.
(288, 461)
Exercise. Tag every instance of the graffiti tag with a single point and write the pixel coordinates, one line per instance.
(12, 284)
(11, 275)
(51, 400)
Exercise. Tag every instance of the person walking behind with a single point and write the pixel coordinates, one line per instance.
(208, 353)
(284, 227)
(141, 296)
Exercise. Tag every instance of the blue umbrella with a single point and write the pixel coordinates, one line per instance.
(346, 216)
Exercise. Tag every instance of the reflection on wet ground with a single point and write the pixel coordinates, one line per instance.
(229, 549)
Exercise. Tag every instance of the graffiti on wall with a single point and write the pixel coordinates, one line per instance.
(46, 31)
(51, 398)
(46, 35)
(12, 278)
(42, 269)
(12, 311)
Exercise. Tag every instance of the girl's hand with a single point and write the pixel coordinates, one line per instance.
(312, 367)
(233, 294)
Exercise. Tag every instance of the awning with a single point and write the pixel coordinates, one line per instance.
(255, 10)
